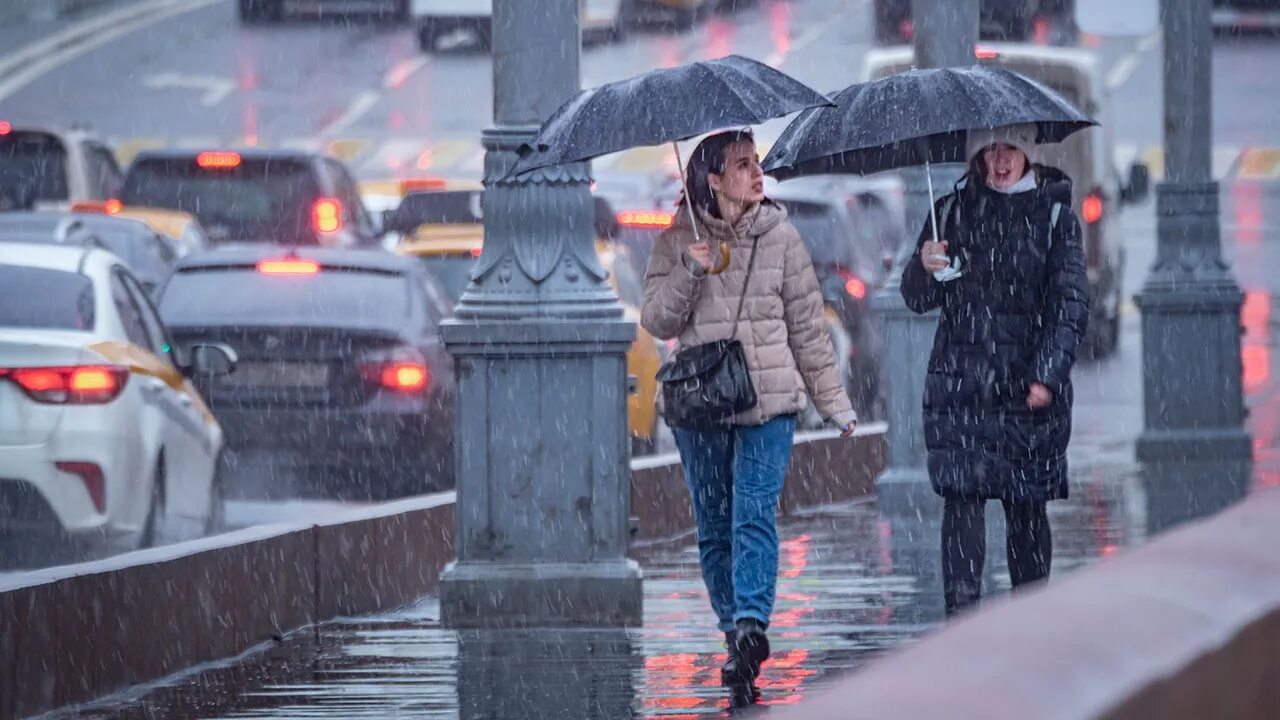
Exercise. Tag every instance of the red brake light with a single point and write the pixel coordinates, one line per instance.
(81, 385)
(5, 127)
(113, 206)
(476, 252)
(420, 184)
(91, 475)
(659, 219)
(288, 266)
(326, 215)
(856, 288)
(1091, 208)
(985, 53)
(218, 160)
(403, 370)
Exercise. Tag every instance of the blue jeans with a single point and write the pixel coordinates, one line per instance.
(735, 476)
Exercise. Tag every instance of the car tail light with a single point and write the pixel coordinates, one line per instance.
(1091, 208)
(218, 160)
(288, 266)
(80, 385)
(326, 215)
(421, 184)
(658, 219)
(985, 53)
(109, 207)
(477, 252)
(907, 29)
(403, 370)
(91, 475)
(5, 127)
(854, 286)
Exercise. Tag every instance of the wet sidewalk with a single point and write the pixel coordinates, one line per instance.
(852, 584)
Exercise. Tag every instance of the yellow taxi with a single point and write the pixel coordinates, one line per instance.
(450, 249)
(183, 228)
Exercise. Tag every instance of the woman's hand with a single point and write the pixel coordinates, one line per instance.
(1039, 397)
(933, 256)
(848, 430)
(700, 252)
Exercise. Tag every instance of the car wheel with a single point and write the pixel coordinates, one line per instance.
(644, 446)
(484, 36)
(155, 511)
(427, 34)
(261, 11)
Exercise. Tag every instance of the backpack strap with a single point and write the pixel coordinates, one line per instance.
(1053, 222)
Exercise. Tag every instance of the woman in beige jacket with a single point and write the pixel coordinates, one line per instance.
(735, 472)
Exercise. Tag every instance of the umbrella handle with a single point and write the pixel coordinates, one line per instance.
(724, 260)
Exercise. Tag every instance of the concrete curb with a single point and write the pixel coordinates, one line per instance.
(1183, 627)
(73, 634)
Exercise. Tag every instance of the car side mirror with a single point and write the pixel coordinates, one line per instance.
(1139, 185)
(212, 359)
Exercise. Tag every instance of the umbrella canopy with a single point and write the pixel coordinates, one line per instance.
(917, 117)
(664, 106)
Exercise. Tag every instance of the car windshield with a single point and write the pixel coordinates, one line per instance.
(259, 200)
(241, 295)
(43, 298)
(33, 164)
(453, 272)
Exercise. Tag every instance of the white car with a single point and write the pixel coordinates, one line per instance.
(102, 437)
(437, 18)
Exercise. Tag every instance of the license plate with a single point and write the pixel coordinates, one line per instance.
(251, 374)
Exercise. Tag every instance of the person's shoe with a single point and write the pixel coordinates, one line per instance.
(752, 644)
(736, 675)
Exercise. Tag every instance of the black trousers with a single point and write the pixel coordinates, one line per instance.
(964, 547)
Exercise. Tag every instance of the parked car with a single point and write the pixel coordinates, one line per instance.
(1087, 157)
(102, 434)
(148, 254)
(1010, 20)
(50, 168)
(270, 11)
(342, 375)
(850, 268)
(434, 19)
(263, 196)
(444, 231)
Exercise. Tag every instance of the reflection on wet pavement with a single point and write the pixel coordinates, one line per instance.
(853, 583)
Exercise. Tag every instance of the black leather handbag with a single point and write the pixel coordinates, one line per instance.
(705, 385)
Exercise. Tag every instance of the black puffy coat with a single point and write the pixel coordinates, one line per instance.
(1016, 316)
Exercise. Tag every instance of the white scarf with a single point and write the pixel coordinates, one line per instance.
(1028, 182)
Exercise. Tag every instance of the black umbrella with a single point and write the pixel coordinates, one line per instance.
(917, 117)
(665, 106)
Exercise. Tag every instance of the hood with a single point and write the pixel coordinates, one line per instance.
(767, 216)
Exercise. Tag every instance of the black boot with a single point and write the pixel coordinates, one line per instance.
(736, 675)
(752, 644)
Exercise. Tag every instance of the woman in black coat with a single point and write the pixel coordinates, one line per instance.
(1009, 276)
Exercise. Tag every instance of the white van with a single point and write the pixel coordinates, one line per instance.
(437, 18)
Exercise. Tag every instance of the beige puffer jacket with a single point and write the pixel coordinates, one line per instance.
(783, 331)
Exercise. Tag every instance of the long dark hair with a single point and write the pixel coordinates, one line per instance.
(707, 158)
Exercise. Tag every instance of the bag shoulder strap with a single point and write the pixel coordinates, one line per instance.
(755, 244)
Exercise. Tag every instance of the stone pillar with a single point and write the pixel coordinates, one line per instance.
(1194, 448)
(539, 341)
(945, 32)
